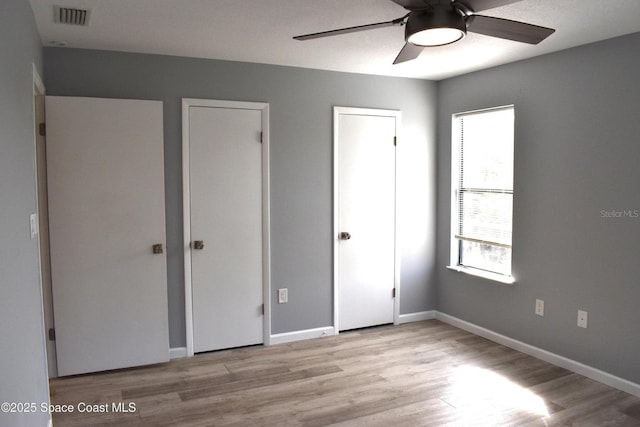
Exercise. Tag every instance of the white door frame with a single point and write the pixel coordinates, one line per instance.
(45, 288)
(337, 111)
(186, 199)
(39, 90)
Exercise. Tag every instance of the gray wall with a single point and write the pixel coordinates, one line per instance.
(23, 376)
(301, 102)
(577, 153)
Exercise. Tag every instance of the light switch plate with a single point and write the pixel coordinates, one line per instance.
(33, 225)
(540, 307)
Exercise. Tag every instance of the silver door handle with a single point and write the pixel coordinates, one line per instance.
(345, 235)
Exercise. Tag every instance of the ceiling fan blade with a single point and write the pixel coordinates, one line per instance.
(408, 52)
(508, 29)
(480, 5)
(348, 30)
(412, 4)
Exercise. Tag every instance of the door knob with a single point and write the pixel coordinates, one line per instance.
(157, 248)
(345, 235)
(198, 244)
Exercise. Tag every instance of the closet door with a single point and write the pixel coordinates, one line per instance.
(366, 215)
(105, 171)
(226, 224)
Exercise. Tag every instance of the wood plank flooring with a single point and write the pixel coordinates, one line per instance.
(418, 374)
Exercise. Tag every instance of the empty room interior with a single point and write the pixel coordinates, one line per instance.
(319, 212)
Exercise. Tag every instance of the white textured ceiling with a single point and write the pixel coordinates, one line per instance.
(261, 31)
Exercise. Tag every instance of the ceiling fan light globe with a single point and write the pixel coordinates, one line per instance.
(440, 25)
(436, 37)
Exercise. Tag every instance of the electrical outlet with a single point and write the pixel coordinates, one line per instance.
(283, 296)
(582, 318)
(540, 307)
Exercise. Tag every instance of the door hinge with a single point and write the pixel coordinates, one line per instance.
(263, 309)
(52, 334)
(261, 137)
(393, 293)
(395, 141)
(42, 129)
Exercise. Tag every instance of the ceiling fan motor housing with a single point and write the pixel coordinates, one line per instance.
(438, 16)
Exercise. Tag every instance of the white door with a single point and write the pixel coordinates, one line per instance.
(365, 217)
(226, 226)
(105, 174)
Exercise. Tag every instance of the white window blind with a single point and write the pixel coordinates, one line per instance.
(483, 190)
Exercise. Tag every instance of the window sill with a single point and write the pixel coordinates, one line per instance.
(506, 280)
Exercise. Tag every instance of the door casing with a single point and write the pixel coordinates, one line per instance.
(337, 112)
(186, 197)
(43, 221)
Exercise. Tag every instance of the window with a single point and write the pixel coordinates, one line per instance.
(482, 200)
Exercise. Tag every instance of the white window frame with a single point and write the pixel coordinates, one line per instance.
(455, 247)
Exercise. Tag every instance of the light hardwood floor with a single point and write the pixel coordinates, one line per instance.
(418, 374)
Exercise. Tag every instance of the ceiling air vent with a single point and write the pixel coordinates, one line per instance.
(71, 15)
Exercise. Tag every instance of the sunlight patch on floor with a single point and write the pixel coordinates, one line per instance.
(481, 394)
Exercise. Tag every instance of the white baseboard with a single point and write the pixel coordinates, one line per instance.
(301, 335)
(547, 356)
(177, 352)
(416, 317)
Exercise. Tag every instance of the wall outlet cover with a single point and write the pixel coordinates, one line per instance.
(283, 296)
(582, 318)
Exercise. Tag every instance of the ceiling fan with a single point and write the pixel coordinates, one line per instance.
(441, 22)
